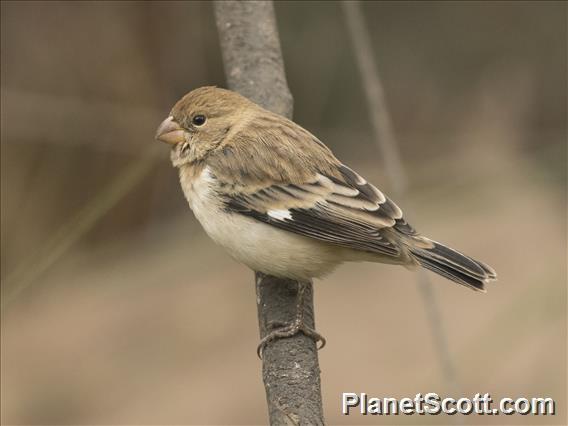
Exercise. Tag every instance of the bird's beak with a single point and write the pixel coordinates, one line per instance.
(170, 132)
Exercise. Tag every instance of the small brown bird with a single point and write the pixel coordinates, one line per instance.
(278, 200)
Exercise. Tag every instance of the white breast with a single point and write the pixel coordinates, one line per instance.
(260, 246)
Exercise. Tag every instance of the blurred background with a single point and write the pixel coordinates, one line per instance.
(117, 308)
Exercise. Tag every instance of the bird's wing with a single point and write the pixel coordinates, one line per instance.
(289, 179)
(323, 210)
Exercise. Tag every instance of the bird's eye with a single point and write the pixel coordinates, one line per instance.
(198, 120)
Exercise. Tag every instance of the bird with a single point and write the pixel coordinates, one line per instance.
(279, 201)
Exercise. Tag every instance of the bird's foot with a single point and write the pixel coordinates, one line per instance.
(283, 330)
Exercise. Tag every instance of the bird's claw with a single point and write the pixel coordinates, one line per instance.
(283, 330)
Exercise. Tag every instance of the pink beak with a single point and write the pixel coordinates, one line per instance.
(170, 132)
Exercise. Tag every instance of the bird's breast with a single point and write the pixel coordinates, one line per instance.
(260, 246)
(198, 185)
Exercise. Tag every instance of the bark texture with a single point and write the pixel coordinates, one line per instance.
(254, 67)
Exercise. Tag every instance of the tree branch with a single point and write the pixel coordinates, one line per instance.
(254, 67)
(386, 141)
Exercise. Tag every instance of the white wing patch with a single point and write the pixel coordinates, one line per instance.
(279, 214)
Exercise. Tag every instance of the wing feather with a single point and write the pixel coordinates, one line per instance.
(322, 209)
(304, 189)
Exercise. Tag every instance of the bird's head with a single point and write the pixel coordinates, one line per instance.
(200, 121)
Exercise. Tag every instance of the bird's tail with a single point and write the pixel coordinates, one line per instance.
(455, 266)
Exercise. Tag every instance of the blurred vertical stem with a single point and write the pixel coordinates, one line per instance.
(386, 142)
(73, 229)
(254, 67)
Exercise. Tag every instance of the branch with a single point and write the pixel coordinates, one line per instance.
(254, 67)
(251, 53)
(375, 96)
(388, 147)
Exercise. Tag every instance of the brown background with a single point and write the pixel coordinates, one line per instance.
(116, 307)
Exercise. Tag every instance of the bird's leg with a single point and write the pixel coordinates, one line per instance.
(283, 329)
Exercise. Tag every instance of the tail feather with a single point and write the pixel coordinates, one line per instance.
(454, 265)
